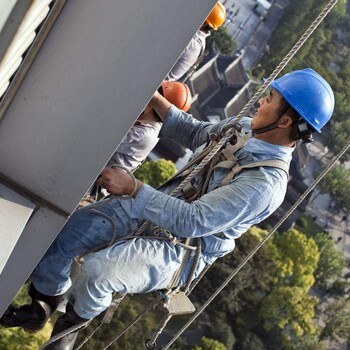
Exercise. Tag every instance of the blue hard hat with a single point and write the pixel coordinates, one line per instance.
(309, 94)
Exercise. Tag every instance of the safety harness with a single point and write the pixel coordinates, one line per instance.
(224, 159)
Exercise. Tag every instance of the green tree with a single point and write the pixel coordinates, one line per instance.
(276, 282)
(339, 135)
(222, 331)
(222, 41)
(249, 284)
(132, 339)
(337, 183)
(251, 341)
(307, 341)
(16, 338)
(330, 264)
(210, 344)
(297, 259)
(290, 310)
(339, 287)
(336, 317)
(155, 172)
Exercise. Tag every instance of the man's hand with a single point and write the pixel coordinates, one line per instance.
(117, 182)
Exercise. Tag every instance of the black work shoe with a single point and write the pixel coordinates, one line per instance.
(31, 317)
(64, 323)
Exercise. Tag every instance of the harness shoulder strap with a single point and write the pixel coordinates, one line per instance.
(273, 163)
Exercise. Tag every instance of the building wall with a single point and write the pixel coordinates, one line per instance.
(98, 67)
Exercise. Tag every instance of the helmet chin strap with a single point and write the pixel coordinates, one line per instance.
(305, 133)
(265, 129)
(271, 126)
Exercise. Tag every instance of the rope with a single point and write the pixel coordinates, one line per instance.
(288, 57)
(164, 321)
(106, 319)
(137, 318)
(253, 251)
(89, 336)
(64, 333)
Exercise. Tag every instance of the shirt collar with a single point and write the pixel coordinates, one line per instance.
(267, 150)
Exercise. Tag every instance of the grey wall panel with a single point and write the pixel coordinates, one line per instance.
(96, 71)
(31, 246)
(94, 74)
(14, 214)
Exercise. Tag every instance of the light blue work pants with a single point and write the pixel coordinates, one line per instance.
(139, 265)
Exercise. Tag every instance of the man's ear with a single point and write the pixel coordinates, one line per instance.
(285, 122)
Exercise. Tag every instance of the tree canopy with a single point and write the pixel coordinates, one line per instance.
(222, 41)
(337, 183)
(210, 344)
(331, 262)
(297, 260)
(155, 172)
(337, 319)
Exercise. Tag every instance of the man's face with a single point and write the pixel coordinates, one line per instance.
(268, 111)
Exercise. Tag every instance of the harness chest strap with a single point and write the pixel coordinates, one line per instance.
(230, 162)
(187, 169)
(227, 152)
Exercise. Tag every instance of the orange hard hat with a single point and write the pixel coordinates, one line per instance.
(178, 94)
(217, 16)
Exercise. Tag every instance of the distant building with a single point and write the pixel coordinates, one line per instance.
(220, 87)
(262, 7)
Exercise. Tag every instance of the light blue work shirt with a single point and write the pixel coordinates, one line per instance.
(142, 265)
(250, 198)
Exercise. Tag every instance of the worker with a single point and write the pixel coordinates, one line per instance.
(300, 102)
(193, 54)
(143, 135)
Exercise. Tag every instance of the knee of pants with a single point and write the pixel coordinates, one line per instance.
(90, 295)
